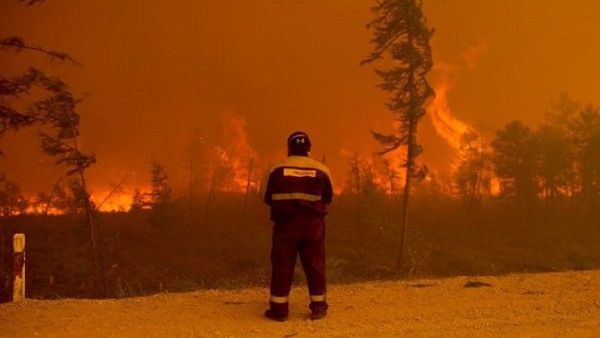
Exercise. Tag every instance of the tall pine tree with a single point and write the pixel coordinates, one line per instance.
(401, 37)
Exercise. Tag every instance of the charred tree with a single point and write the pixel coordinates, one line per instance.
(16, 88)
(56, 199)
(391, 175)
(585, 133)
(515, 157)
(249, 178)
(209, 197)
(161, 195)
(554, 163)
(355, 176)
(197, 168)
(56, 112)
(12, 202)
(161, 191)
(139, 201)
(401, 35)
(221, 176)
(473, 175)
(59, 112)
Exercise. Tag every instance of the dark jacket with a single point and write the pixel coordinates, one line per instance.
(299, 186)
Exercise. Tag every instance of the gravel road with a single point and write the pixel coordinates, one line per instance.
(540, 305)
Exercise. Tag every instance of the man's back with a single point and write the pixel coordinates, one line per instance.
(299, 186)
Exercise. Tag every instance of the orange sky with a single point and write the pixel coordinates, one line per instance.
(153, 71)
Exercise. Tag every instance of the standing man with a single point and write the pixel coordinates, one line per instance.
(298, 192)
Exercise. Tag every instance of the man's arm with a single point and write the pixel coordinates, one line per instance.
(327, 195)
(267, 198)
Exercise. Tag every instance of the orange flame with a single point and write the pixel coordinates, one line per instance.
(109, 200)
(237, 154)
(450, 128)
(36, 209)
(446, 125)
(495, 186)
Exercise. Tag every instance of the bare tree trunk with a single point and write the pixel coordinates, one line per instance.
(209, 195)
(248, 182)
(190, 205)
(358, 192)
(404, 221)
(97, 280)
(406, 199)
(97, 284)
(52, 192)
(472, 195)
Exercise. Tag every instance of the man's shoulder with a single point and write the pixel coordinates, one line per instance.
(306, 162)
(303, 162)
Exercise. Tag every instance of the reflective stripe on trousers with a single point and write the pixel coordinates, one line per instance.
(317, 298)
(279, 300)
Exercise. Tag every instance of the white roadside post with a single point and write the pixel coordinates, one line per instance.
(18, 267)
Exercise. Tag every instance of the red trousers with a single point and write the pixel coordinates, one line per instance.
(304, 236)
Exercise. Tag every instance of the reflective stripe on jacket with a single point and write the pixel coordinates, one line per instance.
(299, 185)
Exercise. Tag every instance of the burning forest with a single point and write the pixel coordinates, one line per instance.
(137, 156)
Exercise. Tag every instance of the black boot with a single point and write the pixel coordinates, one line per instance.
(319, 310)
(278, 312)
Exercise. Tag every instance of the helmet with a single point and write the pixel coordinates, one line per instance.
(298, 144)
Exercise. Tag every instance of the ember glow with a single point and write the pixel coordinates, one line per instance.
(111, 200)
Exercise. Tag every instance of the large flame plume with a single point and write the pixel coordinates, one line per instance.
(238, 154)
(447, 125)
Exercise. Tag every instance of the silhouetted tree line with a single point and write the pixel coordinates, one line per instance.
(549, 170)
(552, 168)
(556, 164)
(174, 236)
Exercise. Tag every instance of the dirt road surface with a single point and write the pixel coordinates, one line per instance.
(537, 305)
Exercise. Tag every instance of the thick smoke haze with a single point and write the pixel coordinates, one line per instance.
(153, 71)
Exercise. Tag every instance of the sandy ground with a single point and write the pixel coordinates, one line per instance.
(537, 305)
